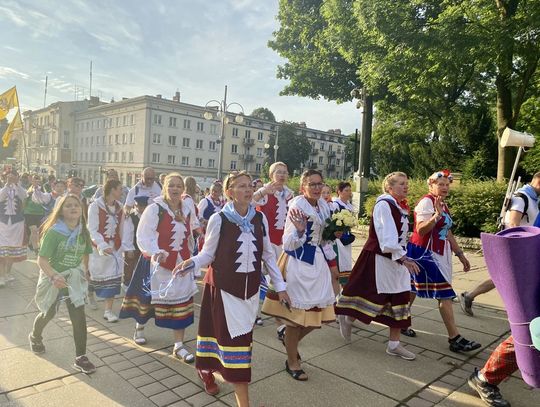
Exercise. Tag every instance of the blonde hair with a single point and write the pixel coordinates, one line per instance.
(56, 214)
(233, 176)
(190, 186)
(274, 166)
(390, 180)
(165, 193)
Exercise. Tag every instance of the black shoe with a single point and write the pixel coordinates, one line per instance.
(84, 365)
(489, 393)
(281, 333)
(36, 344)
(460, 344)
(411, 333)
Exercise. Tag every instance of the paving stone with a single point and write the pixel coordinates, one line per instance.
(187, 390)
(430, 354)
(165, 398)
(217, 404)
(19, 394)
(418, 402)
(98, 346)
(180, 403)
(431, 395)
(162, 373)
(133, 353)
(141, 360)
(105, 352)
(152, 388)
(109, 360)
(126, 364)
(461, 373)
(201, 399)
(151, 367)
(131, 373)
(456, 381)
(141, 380)
(442, 387)
(53, 384)
(174, 381)
(70, 379)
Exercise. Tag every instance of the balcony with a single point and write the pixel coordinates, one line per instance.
(246, 157)
(248, 142)
(314, 151)
(330, 167)
(331, 154)
(313, 166)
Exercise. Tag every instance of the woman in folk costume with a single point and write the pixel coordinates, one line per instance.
(189, 197)
(431, 245)
(342, 245)
(63, 262)
(156, 291)
(207, 207)
(308, 270)
(379, 286)
(105, 218)
(12, 247)
(236, 243)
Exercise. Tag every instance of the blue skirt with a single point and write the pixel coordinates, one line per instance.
(108, 288)
(138, 305)
(429, 283)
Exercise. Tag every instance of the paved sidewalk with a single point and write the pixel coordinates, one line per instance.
(340, 374)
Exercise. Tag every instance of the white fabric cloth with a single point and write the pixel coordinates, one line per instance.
(240, 314)
(182, 288)
(12, 234)
(139, 189)
(345, 262)
(309, 285)
(390, 276)
(424, 211)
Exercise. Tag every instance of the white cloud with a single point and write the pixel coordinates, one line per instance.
(6, 72)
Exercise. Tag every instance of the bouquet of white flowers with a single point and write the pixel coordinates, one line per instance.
(340, 221)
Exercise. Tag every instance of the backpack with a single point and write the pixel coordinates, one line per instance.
(526, 206)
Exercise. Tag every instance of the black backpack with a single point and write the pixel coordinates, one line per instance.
(525, 208)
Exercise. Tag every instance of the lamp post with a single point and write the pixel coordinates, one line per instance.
(222, 110)
(276, 144)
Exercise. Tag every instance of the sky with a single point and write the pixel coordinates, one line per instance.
(153, 47)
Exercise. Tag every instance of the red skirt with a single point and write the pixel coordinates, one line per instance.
(360, 299)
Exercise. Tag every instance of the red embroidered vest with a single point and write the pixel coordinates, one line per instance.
(270, 211)
(372, 243)
(431, 240)
(102, 228)
(222, 273)
(165, 229)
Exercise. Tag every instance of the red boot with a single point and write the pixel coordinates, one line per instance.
(210, 385)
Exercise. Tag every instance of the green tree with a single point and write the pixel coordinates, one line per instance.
(293, 147)
(351, 154)
(10, 150)
(263, 113)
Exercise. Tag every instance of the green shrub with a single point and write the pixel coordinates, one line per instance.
(475, 205)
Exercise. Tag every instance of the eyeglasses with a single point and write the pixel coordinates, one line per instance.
(315, 185)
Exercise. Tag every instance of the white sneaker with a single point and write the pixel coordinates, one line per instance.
(345, 327)
(110, 316)
(401, 352)
(92, 301)
(2, 282)
(138, 336)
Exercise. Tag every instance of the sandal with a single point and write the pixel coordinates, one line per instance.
(183, 354)
(411, 333)
(281, 333)
(138, 336)
(460, 344)
(296, 374)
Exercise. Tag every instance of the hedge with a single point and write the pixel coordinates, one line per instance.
(474, 205)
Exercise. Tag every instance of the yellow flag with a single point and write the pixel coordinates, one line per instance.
(8, 100)
(15, 124)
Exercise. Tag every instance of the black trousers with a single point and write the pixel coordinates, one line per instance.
(78, 321)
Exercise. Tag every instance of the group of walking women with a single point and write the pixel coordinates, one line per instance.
(254, 227)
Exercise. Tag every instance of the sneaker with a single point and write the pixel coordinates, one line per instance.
(460, 344)
(210, 386)
(138, 336)
(2, 282)
(466, 303)
(84, 365)
(183, 354)
(110, 316)
(281, 333)
(36, 344)
(259, 321)
(345, 327)
(92, 301)
(401, 352)
(489, 393)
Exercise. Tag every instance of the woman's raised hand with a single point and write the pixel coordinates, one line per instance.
(439, 207)
(298, 219)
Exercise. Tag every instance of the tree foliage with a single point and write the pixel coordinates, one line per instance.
(293, 147)
(264, 114)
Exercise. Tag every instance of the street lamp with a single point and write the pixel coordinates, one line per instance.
(275, 146)
(221, 113)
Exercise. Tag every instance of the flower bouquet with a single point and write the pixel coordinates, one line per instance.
(339, 221)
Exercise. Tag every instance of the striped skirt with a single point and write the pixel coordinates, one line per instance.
(360, 299)
(216, 350)
(137, 303)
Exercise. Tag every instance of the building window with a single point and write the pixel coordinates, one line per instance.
(185, 142)
(97, 141)
(124, 138)
(259, 152)
(234, 149)
(131, 138)
(131, 156)
(212, 145)
(132, 119)
(235, 132)
(91, 156)
(258, 167)
(117, 122)
(200, 126)
(211, 163)
(110, 156)
(156, 138)
(172, 140)
(123, 156)
(155, 157)
(117, 139)
(185, 161)
(157, 119)
(247, 134)
(110, 123)
(86, 156)
(338, 161)
(103, 156)
(199, 144)
(322, 147)
(170, 159)
(187, 124)
(233, 165)
(260, 136)
(320, 160)
(198, 162)
(213, 129)
(172, 121)
(116, 157)
(124, 120)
